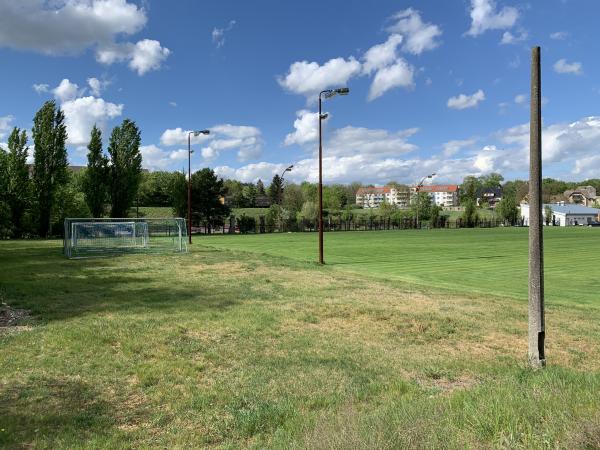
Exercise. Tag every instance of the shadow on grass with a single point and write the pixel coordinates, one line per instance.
(39, 278)
(54, 411)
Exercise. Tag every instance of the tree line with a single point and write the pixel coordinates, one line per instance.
(36, 198)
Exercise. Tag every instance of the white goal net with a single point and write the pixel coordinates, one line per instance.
(93, 237)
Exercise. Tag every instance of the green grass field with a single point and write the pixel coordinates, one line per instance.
(480, 261)
(246, 343)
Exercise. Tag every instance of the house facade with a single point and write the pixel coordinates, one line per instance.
(564, 215)
(583, 195)
(491, 196)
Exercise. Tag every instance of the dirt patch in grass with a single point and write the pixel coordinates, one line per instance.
(10, 318)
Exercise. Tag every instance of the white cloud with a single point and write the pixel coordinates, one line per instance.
(97, 86)
(485, 16)
(66, 91)
(218, 34)
(419, 36)
(173, 104)
(142, 57)
(559, 35)
(71, 26)
(562, 66)
(40, 88)
(306, 128)
(466, 101)
(381, 55)
(509, 38)
(235, 131)
(179, 155)
(401, 74)
(451, 148)
(368, 141)
(178, 136)
(309, 78)
(83, 113)
(561, 142)
(5, 125)
(587, 167)
(521, 99)
(568, 149)
(246, 139)
(209, 154)
(59, 27)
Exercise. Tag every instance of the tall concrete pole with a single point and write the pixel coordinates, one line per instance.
(537, 327)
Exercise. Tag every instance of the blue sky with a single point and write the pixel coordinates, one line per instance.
(435, 86)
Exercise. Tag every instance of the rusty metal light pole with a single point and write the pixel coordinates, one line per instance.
(189, 190)
(537, 327)
(328, 93)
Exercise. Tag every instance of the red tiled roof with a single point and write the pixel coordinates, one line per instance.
(373, 190)
(439, 188)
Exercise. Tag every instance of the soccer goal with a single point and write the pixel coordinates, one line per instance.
(96, 237)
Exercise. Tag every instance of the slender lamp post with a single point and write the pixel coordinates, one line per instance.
(189, 199)
(288, 169)
(328, 93)
(418, 188)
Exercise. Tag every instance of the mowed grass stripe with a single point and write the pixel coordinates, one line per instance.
(488, 261)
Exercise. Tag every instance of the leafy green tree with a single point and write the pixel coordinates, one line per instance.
(249, 195)
(491, 181)
(423, 204)
(386, 210)
(468, 190)
(18, 193)
(276, 190)
(95, 185)
(125, 168)
(70, 202)
(309, 191)
(178, 194)
(156, 188)
(335, 197)
(5, 224)
(507, 208)
(293, 198)
(208, 192)
(50, 161)
(470, 216)
(434, 215)
(309, 211)
(260, 188)
(548, 214)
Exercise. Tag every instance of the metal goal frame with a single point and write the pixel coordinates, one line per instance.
(93, 237)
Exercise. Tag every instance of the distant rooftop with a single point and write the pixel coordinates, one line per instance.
(571, 208)
(439, 188)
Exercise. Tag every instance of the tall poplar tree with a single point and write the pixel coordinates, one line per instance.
(18, 183)
(125, 169)
(50, 161)
(95, 184)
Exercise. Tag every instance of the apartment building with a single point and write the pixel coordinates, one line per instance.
(372, 197)
(444, 195)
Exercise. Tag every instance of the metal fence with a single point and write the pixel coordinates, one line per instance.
(333, 224)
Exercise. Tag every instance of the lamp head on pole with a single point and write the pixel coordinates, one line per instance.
(328, 93)
(199, 132)
(324, 116)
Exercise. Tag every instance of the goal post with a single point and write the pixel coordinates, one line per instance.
(86, 237)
